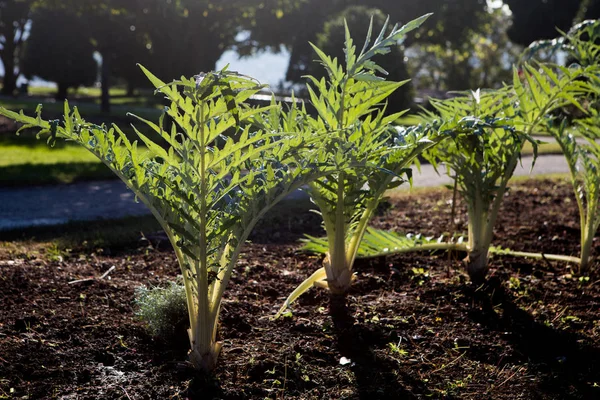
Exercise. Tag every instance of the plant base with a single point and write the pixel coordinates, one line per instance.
(476, 264)
(206, 361)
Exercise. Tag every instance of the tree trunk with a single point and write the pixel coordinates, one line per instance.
(8, 60)
(62, 92)
(130, 89)
(105, 82)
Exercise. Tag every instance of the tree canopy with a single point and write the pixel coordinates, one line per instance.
(69, 61)
(292, 24)
(464, 44)
(14, 15)
(483, 59)
(540, 19)
(173, 38)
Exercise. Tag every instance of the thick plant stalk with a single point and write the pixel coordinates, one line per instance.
(588, 231)
(588, 228)
(349, 106)
(586, 185)
(480, 239)
(339, 272)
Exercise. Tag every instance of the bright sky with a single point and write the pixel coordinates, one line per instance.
(266, 67)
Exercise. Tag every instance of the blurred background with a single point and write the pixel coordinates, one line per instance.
(88, 49)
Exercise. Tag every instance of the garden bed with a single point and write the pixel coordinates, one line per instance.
(412, 326)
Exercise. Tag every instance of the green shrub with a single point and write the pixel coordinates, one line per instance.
(163, 309)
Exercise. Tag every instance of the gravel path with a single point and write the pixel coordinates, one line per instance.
(53, 205)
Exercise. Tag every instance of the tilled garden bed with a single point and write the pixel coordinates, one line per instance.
(411, 327)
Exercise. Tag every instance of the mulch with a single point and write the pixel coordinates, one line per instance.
(412, 326)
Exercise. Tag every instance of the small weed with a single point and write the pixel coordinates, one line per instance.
(452, 387)
(420, 275)
(271, 371)
(397, 350)
(583, 281)
(569, 318)
(55, 254)
(514, 283)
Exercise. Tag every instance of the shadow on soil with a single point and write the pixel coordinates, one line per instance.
(354, 341)
(570, 366)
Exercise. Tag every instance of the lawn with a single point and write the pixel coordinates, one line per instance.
(146, 107)
(26, 161)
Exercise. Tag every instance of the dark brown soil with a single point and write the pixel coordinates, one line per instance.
(412, 326)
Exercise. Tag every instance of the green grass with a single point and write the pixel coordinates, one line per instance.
(27, 161)
(408, 120)
(81, 91)
(89, 109)
(39, 152)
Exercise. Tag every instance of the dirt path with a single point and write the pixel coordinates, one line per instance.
(53, 205)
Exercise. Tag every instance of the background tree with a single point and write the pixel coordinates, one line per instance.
(292, 24)
(172, 38)
(539, 19)
(331, 41)
(483, 58)
(14, 15)
(59, 50)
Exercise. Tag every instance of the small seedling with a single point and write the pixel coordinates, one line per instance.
(397, 350)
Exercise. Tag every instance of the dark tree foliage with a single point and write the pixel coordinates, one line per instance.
(289, 23)
(64, 55)
(331, 41)
(14, 14)
(293, 23)
(540, 19)
(170, 37)
(107, 27)
(185, 37)
(452, 21)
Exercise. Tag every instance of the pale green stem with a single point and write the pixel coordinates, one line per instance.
(220, 283)
(587, 238)
(338, 276)
(424, 247)
(539, 256)
(464, 247)
(358, 235)
(497, 203)
(583, 212)
(191, 305)
(361, 228)
(204, 346)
